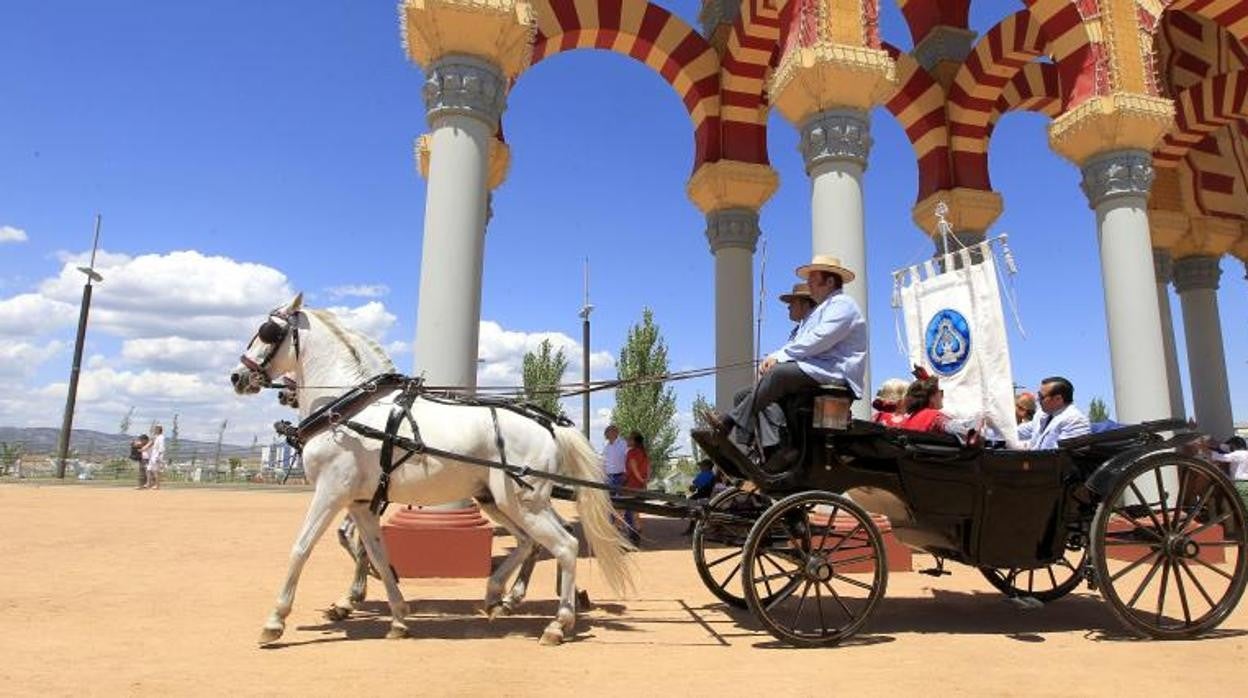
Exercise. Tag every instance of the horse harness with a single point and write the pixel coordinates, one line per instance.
(340, 411)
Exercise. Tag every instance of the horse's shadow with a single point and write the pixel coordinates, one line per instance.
(462, 619)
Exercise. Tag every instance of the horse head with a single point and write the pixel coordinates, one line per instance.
(273, 350)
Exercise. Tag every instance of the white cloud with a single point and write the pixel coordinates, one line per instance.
(358, 291)
(502, 355)
(181, 354)
(184, 294)
(372, 318)
(32, 314)
(21, 359)
(10, 234)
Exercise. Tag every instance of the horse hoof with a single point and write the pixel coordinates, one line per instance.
(336, 612)
(397, 632)
(582, 599)
(270, 635)
(550, 638)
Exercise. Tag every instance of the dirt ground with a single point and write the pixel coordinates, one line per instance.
(109, 591)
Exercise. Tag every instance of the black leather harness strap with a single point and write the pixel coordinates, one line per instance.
(502, 449)
(402, 410)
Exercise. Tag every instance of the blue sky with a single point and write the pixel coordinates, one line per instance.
(278, 137)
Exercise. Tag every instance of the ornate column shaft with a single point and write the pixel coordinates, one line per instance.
(1117, 185)
(835, 144)
(1196, 280)
(464, 98)
(730, 194)
(1162, 268)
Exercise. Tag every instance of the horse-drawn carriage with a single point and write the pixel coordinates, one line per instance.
(1160, 534)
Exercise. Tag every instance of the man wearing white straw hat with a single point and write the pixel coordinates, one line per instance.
(829, 348)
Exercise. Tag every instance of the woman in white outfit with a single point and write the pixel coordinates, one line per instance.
(155, 451)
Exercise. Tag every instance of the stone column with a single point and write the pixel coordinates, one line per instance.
(732, 234)
(1196, 280)
(464, 98)
(731, 193)
(1117, 185)
(1162, 267)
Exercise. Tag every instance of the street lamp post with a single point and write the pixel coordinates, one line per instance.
(67, 423)
(584, 315)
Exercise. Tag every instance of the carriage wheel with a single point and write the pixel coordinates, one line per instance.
(1048, 583)
(1170, 547)
(814, 569)
(718, 538)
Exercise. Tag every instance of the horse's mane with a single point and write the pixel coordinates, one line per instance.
(351, 339)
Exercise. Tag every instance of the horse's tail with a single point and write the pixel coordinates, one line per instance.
(578, 459)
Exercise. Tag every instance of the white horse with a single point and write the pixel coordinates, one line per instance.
(325, 358)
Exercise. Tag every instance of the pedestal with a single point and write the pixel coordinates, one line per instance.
(439, 543)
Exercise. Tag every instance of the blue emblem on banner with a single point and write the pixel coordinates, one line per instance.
(947, 342)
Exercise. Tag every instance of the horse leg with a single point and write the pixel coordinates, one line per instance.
(495, 604)
(325, 504)
(369, 526)
(345, 606)
(548, 531)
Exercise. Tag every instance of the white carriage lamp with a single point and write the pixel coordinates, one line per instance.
(583, 314)
(67, 423)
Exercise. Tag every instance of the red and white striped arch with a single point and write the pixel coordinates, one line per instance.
(748, 53)
(1202, 109)
(919, 105)
(651, 35)
(1231, 14)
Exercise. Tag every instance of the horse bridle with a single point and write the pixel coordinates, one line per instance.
(272, 333)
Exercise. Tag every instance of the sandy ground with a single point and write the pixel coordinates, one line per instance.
(110, 591)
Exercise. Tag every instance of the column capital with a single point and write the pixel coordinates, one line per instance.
(1197, 272)
(498, 31)
(1108, 123)
(500, 159)
(1116, 174)
(970, 210)
(732, 227)
(459, 84)
(1163, 266)
(944, 43)
(1209, 236)
(731, 184)
(835, 135)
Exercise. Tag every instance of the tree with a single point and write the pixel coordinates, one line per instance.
(1097, 411)
(173, 440)
(124, 426)
(700, 407)
(647, 407)
(543, 371)
(216, 457)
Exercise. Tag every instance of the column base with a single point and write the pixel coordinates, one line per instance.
(426, 543)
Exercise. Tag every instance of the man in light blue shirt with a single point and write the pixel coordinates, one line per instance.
(1058, 418)
(829, 347)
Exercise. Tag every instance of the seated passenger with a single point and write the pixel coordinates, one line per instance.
(1024, 412)
(890, 403)
(923, 404)
(1058, 418)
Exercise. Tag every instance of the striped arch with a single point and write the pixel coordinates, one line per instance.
(651, 35)
(919, 105)
(1037, 88)
(924, 15)
(1068, 42)
(747, 54)
(1232, 15)
(998, 56)
(1202, 109)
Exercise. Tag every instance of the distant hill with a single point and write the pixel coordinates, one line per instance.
(39, 440)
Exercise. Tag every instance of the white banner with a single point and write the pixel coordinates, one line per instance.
(956, 330)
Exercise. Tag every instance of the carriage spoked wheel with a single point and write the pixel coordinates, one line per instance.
(1047, 583)
(814, 569)
(719, 537)
(1170, 547)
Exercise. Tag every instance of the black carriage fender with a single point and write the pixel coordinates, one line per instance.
(1102, 480)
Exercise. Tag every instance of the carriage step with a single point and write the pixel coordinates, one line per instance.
(936, 572)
